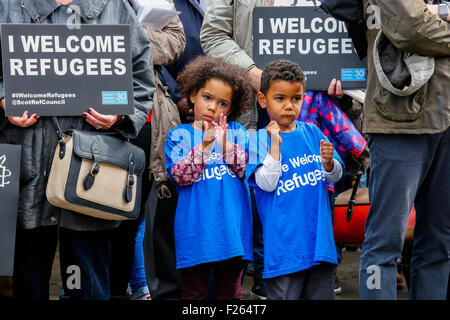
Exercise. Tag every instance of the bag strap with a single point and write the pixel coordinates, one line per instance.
(352, 201)
(62, 144)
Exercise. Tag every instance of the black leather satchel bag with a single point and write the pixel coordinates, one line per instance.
(96, 174)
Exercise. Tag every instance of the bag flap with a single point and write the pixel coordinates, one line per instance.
(109, 149)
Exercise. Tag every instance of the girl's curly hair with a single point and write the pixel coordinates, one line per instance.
(203, 68)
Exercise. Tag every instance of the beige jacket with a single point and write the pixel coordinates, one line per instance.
(227, 33)
(411, 28)
(168, 45)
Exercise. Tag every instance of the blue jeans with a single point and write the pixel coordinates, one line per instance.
(407, 170)
(138, 281)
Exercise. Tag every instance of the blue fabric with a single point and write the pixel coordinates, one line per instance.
(137, 277)
(213, 220)
(191, 17)
(296, 217)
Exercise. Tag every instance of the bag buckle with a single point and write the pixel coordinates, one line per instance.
(95, 169)
(130, 181)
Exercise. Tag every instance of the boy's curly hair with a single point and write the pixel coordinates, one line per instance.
(203, 68)
(281, 70)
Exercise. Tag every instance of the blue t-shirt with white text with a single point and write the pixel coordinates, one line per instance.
(213, 220)
(296, 217)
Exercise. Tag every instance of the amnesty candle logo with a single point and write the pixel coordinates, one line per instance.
(4, 172)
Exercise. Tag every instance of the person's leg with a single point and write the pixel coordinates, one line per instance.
(85, 264)
(430, 254)
(138, 281)
(286, 287)
(228, 276)
(258, 288)
(163, 277)
(122, 256)
(195, 282)
(397, 164)
(319, 283)
(123, 237)
(34, 254)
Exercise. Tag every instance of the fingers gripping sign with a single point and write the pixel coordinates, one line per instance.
(326, 154)
(335, 89)
(24, 121)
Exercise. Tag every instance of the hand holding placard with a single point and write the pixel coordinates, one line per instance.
(254, 75)
(25, 120)
(100, 121)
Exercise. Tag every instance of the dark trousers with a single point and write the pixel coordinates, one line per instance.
(123, 237)
(227, 275)
(315, 283)
(258, 245)
(163, 277)
(84, 259)
(407, 170)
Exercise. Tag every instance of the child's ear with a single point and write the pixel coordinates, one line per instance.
(261, 99)
(193, 96)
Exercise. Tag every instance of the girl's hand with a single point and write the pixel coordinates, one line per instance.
(24, 121)
(222, 134)
(273, 130)
(326, 154)
(209, 137)
(100, 121)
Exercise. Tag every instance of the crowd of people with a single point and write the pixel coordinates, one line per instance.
(243, 163)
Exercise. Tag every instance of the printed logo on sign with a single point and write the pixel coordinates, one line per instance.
(4, 173)
(353, 74)
(114, 97)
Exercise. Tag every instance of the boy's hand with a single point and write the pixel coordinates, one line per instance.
(209, 137)
(222, 134)
(2, 104)
(273, 130)
(326, 154)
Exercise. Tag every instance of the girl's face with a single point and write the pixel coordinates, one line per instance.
(211, 100)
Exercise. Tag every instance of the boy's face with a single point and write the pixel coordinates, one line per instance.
(283, 101)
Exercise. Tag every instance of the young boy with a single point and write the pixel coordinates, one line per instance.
(289, 165)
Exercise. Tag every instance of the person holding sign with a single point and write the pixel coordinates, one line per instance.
(84, 241)
(290, 163)
(206, 160)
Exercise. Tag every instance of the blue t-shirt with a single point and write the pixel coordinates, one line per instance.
(296, 217)
(213, 220)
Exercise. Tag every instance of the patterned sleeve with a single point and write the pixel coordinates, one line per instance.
(237, 159)
(189, 169)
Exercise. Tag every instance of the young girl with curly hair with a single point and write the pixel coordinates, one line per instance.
(206, 159)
